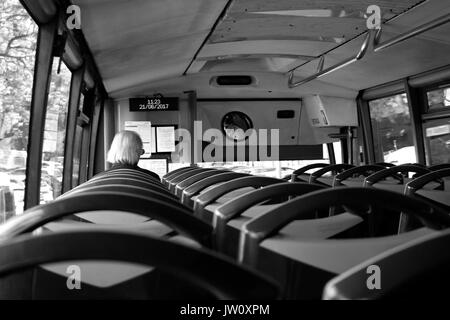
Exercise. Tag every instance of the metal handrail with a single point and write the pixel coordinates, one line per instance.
(320, 73)
(376, 48)
(416, 31)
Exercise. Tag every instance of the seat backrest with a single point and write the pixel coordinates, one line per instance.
(174, 215)
(215, 193)
(437, 197)
(172, 183)
(123, 187)
(124, 181)
(304, 169)
(193, 179)
(222, 278)
(234, 208)
(127, 172)
(415, 270)
(394, 172)
(439, 167)
(201, 185)
(172, 174)
(358, 201)
(364, 171)
(334, 169)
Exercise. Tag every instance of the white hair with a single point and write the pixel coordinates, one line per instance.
(125, 148)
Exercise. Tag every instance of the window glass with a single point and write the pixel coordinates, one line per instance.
(438, 99)
(81, 105)
(18, 37)
(77, 156)
(78, 148)
(437, 141)
(275, 169)
(55, 133)
(392, 130)
(337, 146)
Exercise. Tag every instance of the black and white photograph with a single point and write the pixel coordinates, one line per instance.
(224, 158)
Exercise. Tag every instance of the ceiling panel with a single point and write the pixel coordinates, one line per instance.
(350, 6)
(141, 36)
(319, 20)
(148, 56)
(306, 28)
(267, 27)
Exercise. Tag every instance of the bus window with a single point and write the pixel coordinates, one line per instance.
(392, 130)
(77, 156)
(337, 146)
(78, 145)
(439, 99)
(274, 169)
(437, 131)
(55, 133)
(18, 37)
(437, 141)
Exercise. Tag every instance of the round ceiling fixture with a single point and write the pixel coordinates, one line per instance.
(235, 125)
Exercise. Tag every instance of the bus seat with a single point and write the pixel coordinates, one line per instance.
(193, 179)
(204, 274)
(229, 218)
(223, 190)
(366, 203)
(172, 182)
(174, 215)
(176, 172)
(354, 177)
(415, 188)
(378, 179)
(128, 172)
(319, 175)
(203, 185)
(424, 265)
(121, 181)
(301, 174)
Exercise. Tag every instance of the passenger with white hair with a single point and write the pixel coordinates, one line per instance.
(125, 152)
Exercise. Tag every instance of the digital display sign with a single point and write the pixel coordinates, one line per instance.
(153, 104)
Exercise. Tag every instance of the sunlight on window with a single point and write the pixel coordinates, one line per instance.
(55, 133)
(392, 130)
(18, 37)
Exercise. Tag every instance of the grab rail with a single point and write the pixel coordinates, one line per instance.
(411, 33)
(364, 48)
(320, 73)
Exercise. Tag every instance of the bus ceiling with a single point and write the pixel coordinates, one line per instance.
(142, 47)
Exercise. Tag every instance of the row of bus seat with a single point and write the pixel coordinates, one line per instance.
(129, 237)
(302, 234)
(290, 239)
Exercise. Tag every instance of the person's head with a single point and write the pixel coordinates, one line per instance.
(126, 148)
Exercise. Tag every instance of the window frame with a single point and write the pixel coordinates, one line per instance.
(416, 88)
(375, 93)
(38, 110)
(427, 113)
(51, 27)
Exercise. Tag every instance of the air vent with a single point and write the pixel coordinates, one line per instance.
(286, 114)
(234, 80)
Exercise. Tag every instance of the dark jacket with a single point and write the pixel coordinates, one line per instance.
(129, 166)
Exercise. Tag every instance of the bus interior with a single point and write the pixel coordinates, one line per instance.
(302, 149)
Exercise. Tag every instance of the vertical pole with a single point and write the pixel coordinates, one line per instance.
(42, 76)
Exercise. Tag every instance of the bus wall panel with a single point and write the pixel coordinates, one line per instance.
(262, 113)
